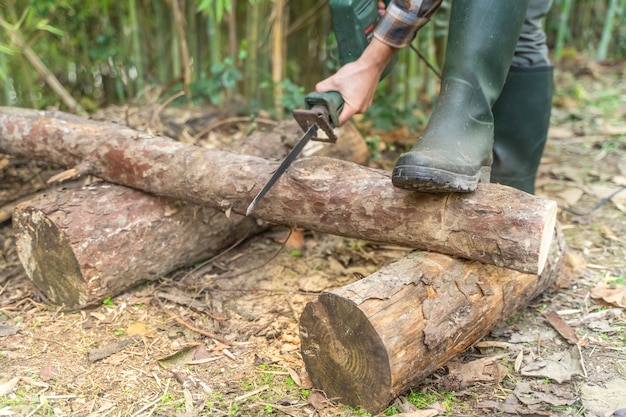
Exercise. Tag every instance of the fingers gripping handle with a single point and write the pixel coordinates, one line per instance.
(331, 100)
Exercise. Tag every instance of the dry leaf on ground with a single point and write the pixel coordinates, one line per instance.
(531, 393)
(561, 327)
(604, 400)
(612, 294)
(480, 370)
(560, 367)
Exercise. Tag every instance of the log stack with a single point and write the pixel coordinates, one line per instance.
(480, 256)
(79, 246)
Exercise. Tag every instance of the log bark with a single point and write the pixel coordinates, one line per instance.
(367, 342)
(81, 246)
(496, 225)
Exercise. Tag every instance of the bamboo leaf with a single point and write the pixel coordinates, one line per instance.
(43, 25)
(6, 50)
(215, 7)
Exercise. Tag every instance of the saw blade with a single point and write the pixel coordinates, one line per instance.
(283, 166)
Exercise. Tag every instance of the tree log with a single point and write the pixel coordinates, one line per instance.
(495, 224)
(367, 342)
(81, 246)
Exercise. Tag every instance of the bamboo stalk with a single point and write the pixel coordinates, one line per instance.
(4, 68)
(233, 44)
(163, 68)
(214, 37)
(182, 41)
(278, 54)
(41, 68)
(562, 30)
(607, 30)
(136, 42)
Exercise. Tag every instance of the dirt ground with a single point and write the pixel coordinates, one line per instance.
(148, 352)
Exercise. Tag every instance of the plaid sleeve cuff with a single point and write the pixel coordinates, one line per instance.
(402, 20)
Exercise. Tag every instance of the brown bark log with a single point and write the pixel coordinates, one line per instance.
(495, 225)
(369, 341)
(81, 246)
(109, 238)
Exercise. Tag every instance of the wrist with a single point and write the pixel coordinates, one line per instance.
(377, 55)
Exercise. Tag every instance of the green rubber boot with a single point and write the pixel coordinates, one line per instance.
(455, 151)
(518, 143)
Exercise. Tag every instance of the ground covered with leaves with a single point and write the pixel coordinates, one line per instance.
(221, 339)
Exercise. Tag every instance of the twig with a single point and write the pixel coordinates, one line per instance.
(160, 108)
(210, 260)
(273, 291)
(152, 403)
(231, 120)
(582, 360)
(251, 393)
(191, 327)
(274, 255)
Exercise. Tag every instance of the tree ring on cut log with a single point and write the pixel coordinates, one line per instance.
(48, 253)
(355, 361)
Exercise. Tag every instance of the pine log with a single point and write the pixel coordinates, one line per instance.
(81, 246)
(109, 238)
(367, 342)
(495, 224)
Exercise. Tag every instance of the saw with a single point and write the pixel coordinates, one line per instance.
(353, 24)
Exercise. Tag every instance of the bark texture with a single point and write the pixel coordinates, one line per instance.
(369, 341)
(496, 225)
(81, 246)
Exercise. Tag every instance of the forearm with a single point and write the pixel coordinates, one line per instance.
(377, 55)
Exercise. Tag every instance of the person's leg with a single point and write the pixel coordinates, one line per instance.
(522, 112)
(455, 151)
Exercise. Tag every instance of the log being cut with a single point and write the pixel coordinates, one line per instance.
(496, 225)
(367, 342)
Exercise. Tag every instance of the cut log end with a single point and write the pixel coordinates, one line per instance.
(407, 320)
(48, 257)
(344, 356)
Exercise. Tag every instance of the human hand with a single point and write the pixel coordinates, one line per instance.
(357, 81)
(357, 85)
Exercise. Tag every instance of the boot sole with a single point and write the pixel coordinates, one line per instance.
(431, 180)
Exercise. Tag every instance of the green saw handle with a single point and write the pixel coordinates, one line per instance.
(332, 100)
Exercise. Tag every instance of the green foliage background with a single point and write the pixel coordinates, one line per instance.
(271, 52)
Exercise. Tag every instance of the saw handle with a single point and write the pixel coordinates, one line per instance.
(333, 102)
